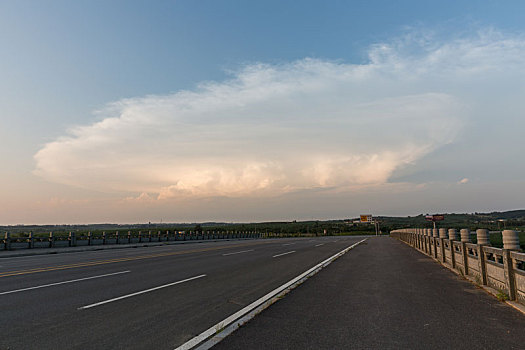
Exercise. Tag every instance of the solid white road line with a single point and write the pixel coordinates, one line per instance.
(290, 252)
(230, 319)
(288, 244)
(138, 293)
(318, 245)
(64, 282)
(242, 251)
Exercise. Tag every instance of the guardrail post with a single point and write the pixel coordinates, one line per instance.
(116, 237)
(7, 241)
(51, 240)
(149, 236)
(30, 240)
(158, 235)
(129, 237)
(89, 238)
(72, 239)
(140, 236)
(168, 235)
(103, 237)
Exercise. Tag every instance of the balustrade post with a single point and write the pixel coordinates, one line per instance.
(51, 240)
(452, 236)
(482, 236)
(129, 237)
(104, 238)
(465, 235)
(510, 242)
(89, 238)
(116, 237)
(442, 237)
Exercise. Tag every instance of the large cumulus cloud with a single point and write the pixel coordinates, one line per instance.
(272, 129)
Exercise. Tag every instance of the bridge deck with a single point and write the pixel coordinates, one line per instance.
(384, 295)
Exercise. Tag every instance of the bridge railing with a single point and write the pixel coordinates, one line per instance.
(75, 239)
(502, 269)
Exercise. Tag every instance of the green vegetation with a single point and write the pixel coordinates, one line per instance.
(495, 221)
(502, 296)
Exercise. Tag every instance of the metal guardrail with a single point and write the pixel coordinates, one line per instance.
(32, 241)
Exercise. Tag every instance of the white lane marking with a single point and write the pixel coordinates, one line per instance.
(290, 252)
(242, 251)
(64, 282)
(288, 244)
(138, 293)
(318, 245)
(230, 319)
(336, 241)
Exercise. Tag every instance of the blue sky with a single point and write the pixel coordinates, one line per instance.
(69, 65)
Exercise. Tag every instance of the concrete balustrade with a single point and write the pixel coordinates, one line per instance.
(482, 236)
(435, 233)
(465, 235)
(503, 270)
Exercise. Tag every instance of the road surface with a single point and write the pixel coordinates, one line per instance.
(154, 297)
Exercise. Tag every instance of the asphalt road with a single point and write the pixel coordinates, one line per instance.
(383, 295)
(144, 298)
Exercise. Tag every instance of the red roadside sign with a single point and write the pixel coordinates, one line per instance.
(435, 217)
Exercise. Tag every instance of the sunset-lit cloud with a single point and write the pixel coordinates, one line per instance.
(275, 129)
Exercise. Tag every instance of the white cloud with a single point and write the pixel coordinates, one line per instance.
(273, 129)
(463, 181)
